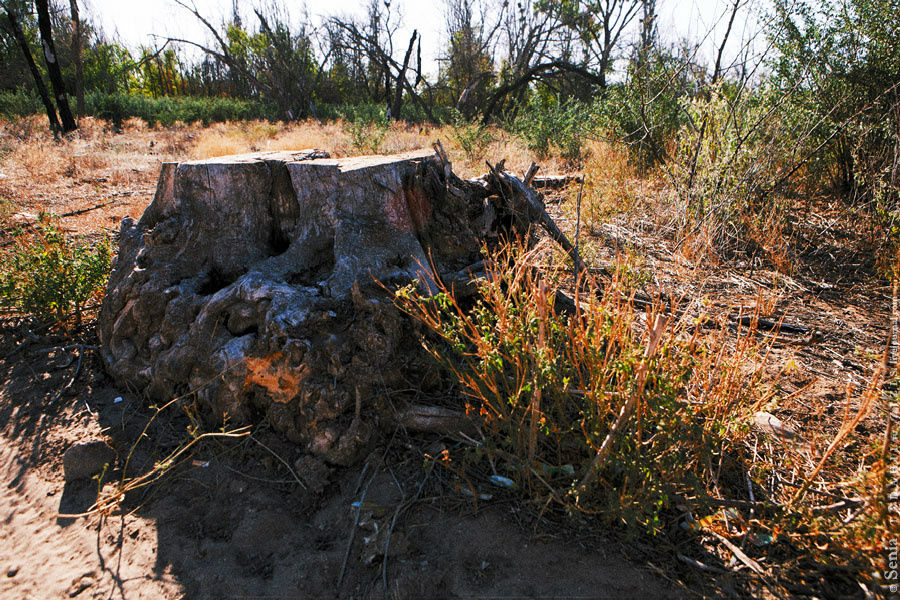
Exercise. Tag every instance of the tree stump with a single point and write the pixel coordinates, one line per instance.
(249, 284)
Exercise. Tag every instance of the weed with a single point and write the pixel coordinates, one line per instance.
(644, 415)
(472, 136)
(367, 126)
(7, 207)
(52, 277)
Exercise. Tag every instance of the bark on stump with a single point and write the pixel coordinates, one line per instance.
(249, 283)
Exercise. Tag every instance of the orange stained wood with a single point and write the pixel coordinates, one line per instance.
(273, 373)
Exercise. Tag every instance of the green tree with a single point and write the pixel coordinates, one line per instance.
(838, 62)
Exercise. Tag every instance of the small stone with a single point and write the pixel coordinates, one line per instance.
(86, 459)
(768, 423)
(12, 571)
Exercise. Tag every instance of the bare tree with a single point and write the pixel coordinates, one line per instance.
(284, 71)
(12, 23)
(387, 78)
(53, 70)
(77, 43)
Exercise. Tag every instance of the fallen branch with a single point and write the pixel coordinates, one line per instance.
(434, 419)
(739, 554)
(86, 210)
(526, 202)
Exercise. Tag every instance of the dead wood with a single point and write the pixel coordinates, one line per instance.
(435, 419)
(555, 182)
(527, 206)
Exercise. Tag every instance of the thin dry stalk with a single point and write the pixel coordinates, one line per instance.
(655, 335)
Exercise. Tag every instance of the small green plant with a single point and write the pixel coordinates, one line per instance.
(53, 277)
(367, 125)
(626, 418)
(473, 136)
(6, 209)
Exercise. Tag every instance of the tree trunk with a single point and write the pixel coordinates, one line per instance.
(401, 79)
(53, 70)
(13, 24)
(77, 43)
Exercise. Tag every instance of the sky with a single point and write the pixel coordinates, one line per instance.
(136, 22)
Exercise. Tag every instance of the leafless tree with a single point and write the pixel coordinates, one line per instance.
(12, 23)
(374, 38)
(53, 69)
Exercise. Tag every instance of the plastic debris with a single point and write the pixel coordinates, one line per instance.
(117, 399)
(501, 481)
(200, 463)
(568, 470)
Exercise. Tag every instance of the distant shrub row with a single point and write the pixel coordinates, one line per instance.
(163, 111)
(188, 109)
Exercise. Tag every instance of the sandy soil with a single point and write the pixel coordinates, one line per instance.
(241, 527)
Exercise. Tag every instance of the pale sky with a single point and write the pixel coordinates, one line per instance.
(136, 21)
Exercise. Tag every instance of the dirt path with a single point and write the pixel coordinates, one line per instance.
(42, 556)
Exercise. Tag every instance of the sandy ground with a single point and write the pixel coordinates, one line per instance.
(241, 528)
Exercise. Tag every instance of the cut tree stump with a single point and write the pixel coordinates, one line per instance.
(250, 284)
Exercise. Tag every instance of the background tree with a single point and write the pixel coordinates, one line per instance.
(385, 77)
(13, 25)
(77, 43)
(467, 68)
(53, 69)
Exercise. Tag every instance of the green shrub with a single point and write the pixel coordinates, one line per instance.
(19, 104)
(472, 136)
(550, 389)
(53, 277)
(646, 111)
(549, 124)
(367, 125)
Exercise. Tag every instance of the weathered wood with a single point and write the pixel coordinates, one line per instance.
(250, 282)
(435, 419)
(555, 182)
(529, 203)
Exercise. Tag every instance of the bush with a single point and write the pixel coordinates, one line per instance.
(646, 112)
(549, 124)
(53, 277)
(667, 407)
(168, 109)
(472, 136)
(119, 107)
(367, 125)
(19, 104)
